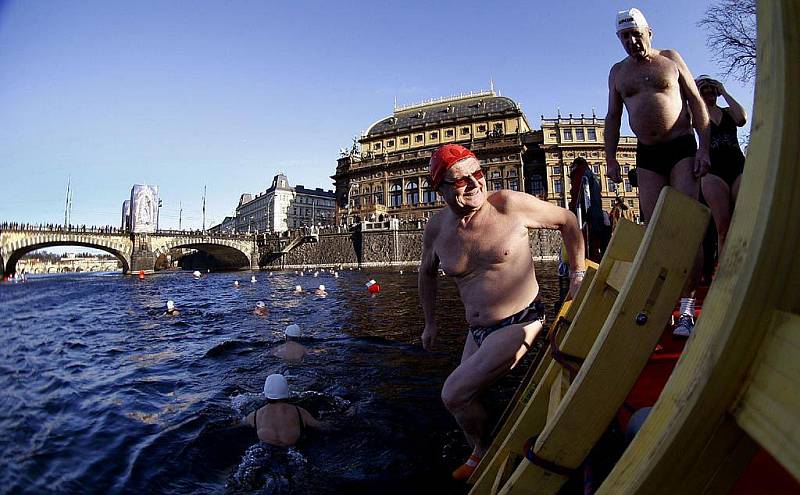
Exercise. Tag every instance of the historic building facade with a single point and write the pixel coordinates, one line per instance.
(385, 174)
(563, 140)
(280, 208)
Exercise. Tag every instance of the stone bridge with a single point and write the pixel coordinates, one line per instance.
(135, 251)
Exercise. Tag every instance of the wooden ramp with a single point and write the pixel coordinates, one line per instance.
(615, 329)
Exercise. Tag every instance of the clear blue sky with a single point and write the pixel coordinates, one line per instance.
(186, 93)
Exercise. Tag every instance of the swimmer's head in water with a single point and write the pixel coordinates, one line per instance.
(321, 288)
(631, 19)
(293, 331)
(261, 305)
(197, 274)
(275, 387)
(170, 305)
(298, 288)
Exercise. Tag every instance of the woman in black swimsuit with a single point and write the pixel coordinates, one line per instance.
(721, 184)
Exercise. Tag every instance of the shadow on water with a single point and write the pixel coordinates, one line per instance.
(105, 391)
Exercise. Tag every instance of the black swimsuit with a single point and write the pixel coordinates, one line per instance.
(532, 312)
(727, 159)
(661, 157)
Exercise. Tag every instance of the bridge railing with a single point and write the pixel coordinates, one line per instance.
(50, 227)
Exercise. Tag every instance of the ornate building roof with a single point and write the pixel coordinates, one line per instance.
(443, 110)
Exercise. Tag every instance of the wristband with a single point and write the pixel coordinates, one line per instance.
(579, 273)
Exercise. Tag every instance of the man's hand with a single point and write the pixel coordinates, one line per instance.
(429, 336)
(613, 169)
(575, 280)
(701, 163)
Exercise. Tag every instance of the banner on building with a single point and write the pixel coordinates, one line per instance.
(126, 216)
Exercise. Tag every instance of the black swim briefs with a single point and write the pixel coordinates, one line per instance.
(532, 312)
(660, 158)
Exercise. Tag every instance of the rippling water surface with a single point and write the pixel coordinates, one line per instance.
(103, 393)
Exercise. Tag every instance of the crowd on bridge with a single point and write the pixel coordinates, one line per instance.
(53, 227)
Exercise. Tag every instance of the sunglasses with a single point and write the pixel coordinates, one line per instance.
(463, 181)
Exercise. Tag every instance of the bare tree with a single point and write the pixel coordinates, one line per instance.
(731, 26)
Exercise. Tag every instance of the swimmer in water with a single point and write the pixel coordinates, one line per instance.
(298, 289)
(279, 423)
(260, 309)
(171, 309)
(320, 291)
(292, 349)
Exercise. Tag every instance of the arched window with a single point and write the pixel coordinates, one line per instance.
(428, 194)
(366, 194)
(396, 194)
(412, 192)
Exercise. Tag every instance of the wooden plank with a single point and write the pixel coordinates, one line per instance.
(770, 406)
(506, 469)
(619, 272)
(681, 445)
(590, 315)
(557, 391)
(625, 343)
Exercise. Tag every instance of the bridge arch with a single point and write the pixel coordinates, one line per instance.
(118, 251)
(230, 253)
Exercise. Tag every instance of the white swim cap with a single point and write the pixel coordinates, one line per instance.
(197, 274)
(275, 387)
(631, 18)
(253, 278)
(298, 288)
(170, 305)
(235, 282)
(322, 288)
(292, 330)
(260, 304)
(371, 283)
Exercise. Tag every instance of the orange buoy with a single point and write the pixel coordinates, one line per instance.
(373, 287)
(141, 274)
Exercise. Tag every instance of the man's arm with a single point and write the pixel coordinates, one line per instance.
(428, 283)
(612, 123)
(540, 214)
(699, 112)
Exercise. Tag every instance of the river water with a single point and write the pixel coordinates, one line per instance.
(102, 393)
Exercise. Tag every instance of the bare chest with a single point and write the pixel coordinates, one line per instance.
(464, 251)
(659, 76)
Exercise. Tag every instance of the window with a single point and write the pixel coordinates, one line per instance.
(434, 135)
(557, 186)
(403, 140)
(626, 169)
(553, 135)
(428, 194)
(592, 134)
(628, 185)
(496, 174)
(412, 192)
(464, 131)
(449, 133)
(376, 146)
(611, 186)
(418, 138)
(579, 134)
(396, 194)
(378, 195)
(567, 134)
(557, 170)
(512, 173)
(497, 185)
(481, 128)
(390, 143)
(537, 185)
(513, 184)
(498, 128)
(630, 203)
(596, 169)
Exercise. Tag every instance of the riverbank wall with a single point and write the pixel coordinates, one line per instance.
(367, 246)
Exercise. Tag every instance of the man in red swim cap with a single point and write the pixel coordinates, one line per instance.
(481, 240)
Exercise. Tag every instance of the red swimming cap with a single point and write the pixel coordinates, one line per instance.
(444, 158)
